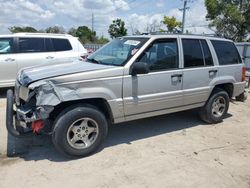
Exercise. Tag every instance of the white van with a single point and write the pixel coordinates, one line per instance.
(22, 50)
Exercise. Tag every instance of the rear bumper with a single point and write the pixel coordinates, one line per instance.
(239, 88)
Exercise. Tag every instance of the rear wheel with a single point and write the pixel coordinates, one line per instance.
(216, 107)
(80, 131)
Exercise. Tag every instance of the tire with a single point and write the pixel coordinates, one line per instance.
(82, 119)
(242, 97)
(208, 111)
(9, 113)
(12, 125)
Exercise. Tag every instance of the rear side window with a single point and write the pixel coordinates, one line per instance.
(226, 52)
(192, 51)
(6, 45)
(61, 45)
(30, 45)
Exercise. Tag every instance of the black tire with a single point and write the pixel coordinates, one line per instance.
(66, 119)
(9, 113)
(242, 97)
(206, 111)
(13, 126)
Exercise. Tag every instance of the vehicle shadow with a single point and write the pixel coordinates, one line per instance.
(41, 147)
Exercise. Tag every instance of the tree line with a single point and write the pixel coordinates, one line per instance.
(85, 34)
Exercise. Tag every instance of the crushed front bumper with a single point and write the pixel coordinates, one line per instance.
(19, 120)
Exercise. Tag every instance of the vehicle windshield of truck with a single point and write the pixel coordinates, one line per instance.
(118, 51)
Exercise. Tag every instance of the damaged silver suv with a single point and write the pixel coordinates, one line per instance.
(127, 79)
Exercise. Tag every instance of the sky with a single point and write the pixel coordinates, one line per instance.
(138, 15)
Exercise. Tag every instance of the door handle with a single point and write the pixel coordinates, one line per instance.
(214, 71)
(9, 59)
(49, 57)
(176, 75)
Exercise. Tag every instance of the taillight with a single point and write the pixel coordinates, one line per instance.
(243, 78)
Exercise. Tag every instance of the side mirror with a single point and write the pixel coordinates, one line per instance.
(139, 68)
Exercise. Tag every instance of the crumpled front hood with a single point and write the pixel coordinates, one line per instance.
(29, 75)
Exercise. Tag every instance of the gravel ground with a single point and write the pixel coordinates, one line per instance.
(175, 150)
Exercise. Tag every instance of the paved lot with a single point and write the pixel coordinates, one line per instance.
(176, 150)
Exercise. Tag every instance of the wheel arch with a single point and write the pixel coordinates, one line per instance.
(100, 104)
(228, 87)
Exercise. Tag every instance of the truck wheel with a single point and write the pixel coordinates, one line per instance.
(216, 107)
(242, 97)
(79, 131)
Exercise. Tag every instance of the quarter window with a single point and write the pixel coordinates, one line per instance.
(161, 55)
(61, 45)
(226, 52)
(30, 45)
(6, 45)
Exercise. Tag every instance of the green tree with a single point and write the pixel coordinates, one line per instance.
(117, 28)
(55, 29)
(230, 17)
(17, 29)
(72, 31)
(85, 34)
(171, 23)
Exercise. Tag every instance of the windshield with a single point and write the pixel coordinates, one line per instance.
(118, 51)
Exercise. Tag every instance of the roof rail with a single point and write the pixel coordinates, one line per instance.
(55, 34)
(177, 33)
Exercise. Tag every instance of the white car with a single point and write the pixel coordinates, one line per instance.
(22, 50)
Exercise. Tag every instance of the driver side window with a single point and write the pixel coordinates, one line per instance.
(161, 55)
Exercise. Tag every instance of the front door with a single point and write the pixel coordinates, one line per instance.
(160, 89)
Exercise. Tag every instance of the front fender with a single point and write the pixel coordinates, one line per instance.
(51, 94)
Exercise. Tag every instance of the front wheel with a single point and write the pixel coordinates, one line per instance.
(216, 107)
(80, 131)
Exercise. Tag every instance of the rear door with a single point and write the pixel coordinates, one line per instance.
(8, 63)
(198, 71)
(32, 51)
